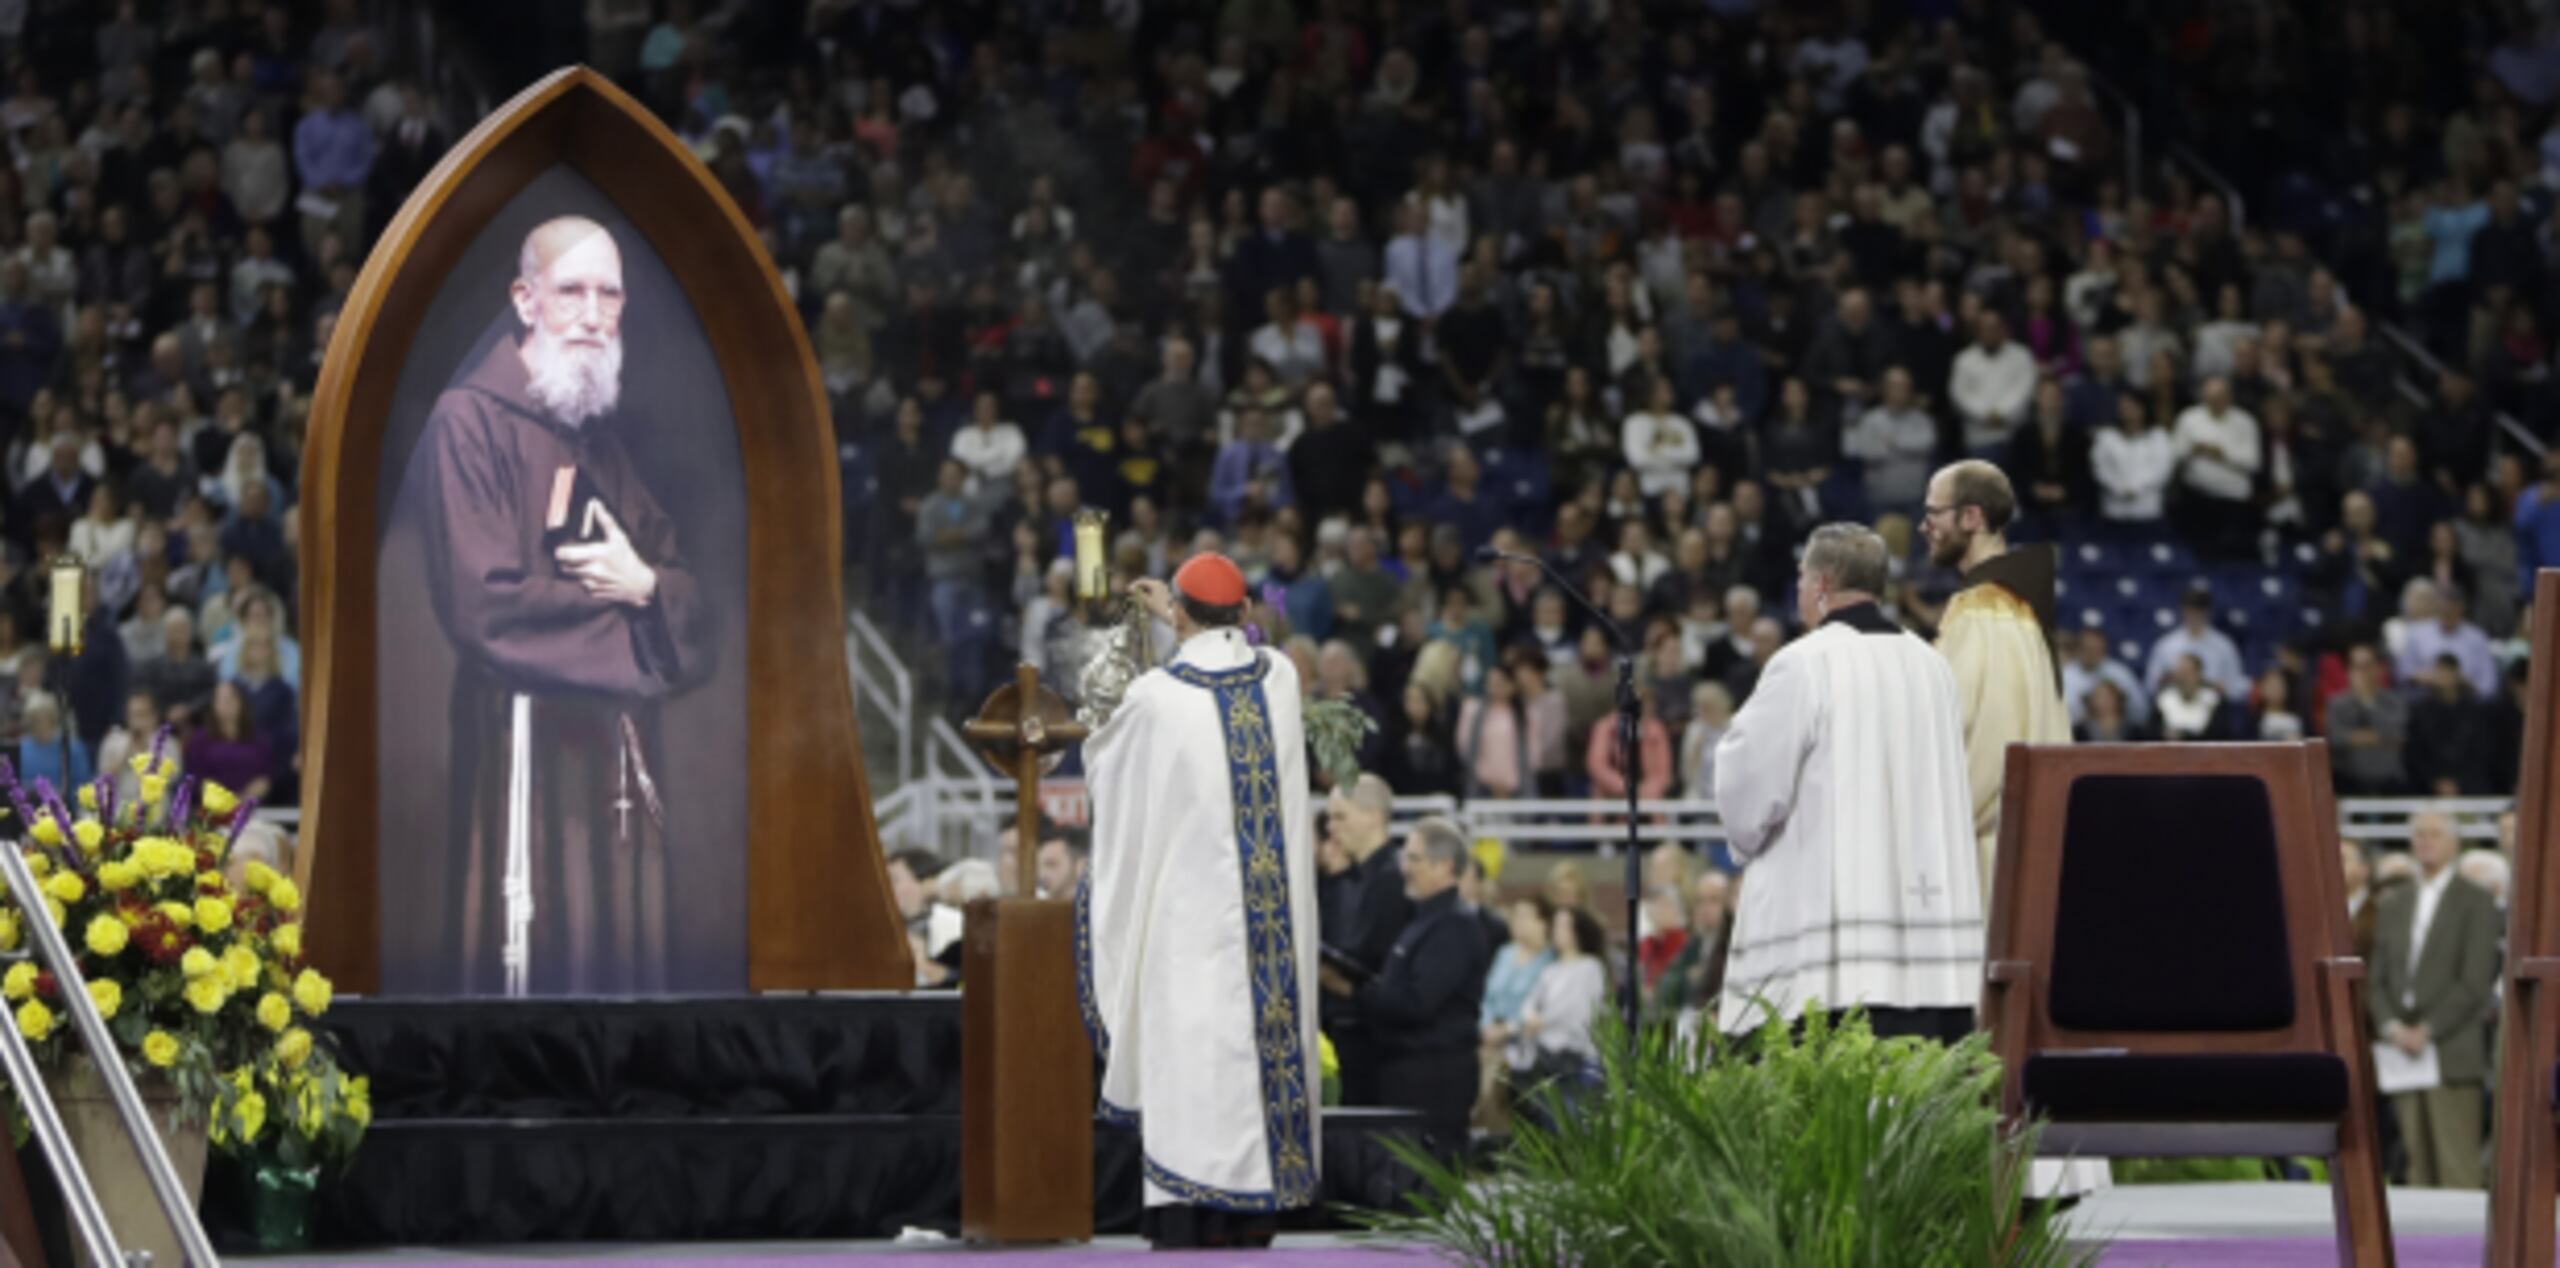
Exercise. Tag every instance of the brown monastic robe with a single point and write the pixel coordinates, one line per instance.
(593, 672)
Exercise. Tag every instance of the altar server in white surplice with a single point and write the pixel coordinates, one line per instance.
(1842, 784)
(1200, 922)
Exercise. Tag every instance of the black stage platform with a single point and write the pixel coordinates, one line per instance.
(802, 1116)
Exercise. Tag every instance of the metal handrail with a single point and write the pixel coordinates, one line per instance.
(1550, 822)
(972, 774)
(2233, 203)
(2414, 350)
(53, 951)
(901, 687)
(2132, 129)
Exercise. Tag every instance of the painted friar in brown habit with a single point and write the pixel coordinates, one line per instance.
(559, 579)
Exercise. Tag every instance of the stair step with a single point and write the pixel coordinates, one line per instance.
(853, 1053)
(460, 1181)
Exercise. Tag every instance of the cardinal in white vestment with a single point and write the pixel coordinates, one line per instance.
(1842, 786)
(1198, 922)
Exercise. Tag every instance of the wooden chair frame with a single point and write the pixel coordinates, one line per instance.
(2328, 980)
(2527, 1172)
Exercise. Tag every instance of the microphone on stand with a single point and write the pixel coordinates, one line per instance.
(1487, 555)
(1630, 753)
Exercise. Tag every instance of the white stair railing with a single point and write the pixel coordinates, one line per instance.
(48, 949)
(881, 678)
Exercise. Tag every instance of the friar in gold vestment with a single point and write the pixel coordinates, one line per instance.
(1994, 633)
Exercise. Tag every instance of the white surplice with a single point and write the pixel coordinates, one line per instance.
(1842, 782)
(1198, 927)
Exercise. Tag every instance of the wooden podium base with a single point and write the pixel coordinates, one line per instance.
(1026, 1101)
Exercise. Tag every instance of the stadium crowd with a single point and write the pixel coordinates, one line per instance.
(1354, 289)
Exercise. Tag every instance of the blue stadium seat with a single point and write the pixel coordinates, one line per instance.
(2168, 558)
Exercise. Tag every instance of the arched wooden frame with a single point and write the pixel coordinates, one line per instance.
(819, 912)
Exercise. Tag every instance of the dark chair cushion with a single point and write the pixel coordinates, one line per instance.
(2172, 911)
(2218, 1087)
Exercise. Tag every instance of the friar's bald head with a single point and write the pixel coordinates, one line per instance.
(568, 295)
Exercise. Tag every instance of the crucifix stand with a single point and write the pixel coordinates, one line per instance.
(1026, 1102)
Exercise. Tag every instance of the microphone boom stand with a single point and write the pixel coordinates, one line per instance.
(1630, 757)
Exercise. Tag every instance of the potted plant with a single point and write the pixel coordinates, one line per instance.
(285, 1118)
(1819, 1148)
(202, 984)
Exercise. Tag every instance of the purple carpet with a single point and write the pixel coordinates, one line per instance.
(2452, 1250)
(959, 1257)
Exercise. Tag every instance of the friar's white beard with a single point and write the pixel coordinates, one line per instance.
(573, 383)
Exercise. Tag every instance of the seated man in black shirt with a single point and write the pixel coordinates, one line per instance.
(1421, 1008)
(1364, 911)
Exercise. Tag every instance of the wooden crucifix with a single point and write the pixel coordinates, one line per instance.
(1026, 1104)
(1016, 730)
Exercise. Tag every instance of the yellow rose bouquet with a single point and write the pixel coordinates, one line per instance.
(197, 971)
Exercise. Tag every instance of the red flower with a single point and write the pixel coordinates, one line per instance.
(46, 986)
(161, 942)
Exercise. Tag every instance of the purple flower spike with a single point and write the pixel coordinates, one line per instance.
(182, 804)
(47, 803)
(105, 789)
(17, 796)
(159, 742)
(239, 822)
(53, 804)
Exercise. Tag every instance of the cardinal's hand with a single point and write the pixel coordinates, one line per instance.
(1154, 596)
(610, 569)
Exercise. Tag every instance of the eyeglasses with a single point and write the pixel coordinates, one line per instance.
(572, 297)
(1933, 512)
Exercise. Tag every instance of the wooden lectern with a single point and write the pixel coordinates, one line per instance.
(1026, 1101)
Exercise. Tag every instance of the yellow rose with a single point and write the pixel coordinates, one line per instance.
(45, 830)
(180, 914)
(66, 886)
(108, 995)
(152, 855)
(259, 876)
(35, 1021)
(88, 796)
(153, 787)
(358, 1100)
(39, 863)
(9, 930)
(107, 935)
(198, 964)
(295, 1047)
(285, 896)
(287, 941)
(20, 981)
(209, 883)
(240, 967)
(213, 915)
(88, 833)
(206, 994)
(312, 992)
(248, 1115)
(274, 1012)
(118, 875)
(160, 1048)
(217, 799)
(141, 763)
(309, 1114)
